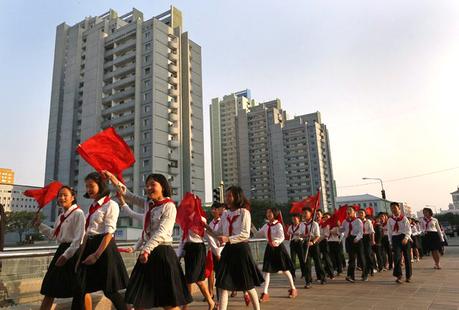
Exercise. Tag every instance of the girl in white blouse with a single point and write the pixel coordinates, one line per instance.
(100, 267)
(433, 236)
(276, 258)
(237, 270)
(157, 279)
(68, 231)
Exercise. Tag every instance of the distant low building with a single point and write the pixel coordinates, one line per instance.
(364, 201)
(12, 198)
(455, 196)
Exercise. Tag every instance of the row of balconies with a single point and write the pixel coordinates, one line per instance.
(119, 108)
(128, 92)
(121, 48)
(119, 84)
(120, 71)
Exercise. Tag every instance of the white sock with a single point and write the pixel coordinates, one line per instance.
(266, 285)
(224, 299)
(254, 298)
(288, 274)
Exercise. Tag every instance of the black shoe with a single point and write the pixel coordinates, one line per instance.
(408, 280)
(323, 281)
(349, 279)
(399, 280)
(365, 279)
(308, 285)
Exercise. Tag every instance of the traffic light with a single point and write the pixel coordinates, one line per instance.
(216, 195)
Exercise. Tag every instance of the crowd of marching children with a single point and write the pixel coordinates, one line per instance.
(88, 260)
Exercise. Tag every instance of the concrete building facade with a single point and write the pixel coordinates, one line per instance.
(13, 200)
(278, 158)
(140, 76)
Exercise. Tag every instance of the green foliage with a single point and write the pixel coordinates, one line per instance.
(258, 211)
(452, 219)
(20, 222)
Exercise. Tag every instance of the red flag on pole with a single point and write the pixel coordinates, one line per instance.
(189, 215)
(107, 151)
(312, 202)
(44, 195)
(369, 211)
(341, 213)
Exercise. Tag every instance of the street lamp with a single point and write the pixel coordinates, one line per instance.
(383, 192)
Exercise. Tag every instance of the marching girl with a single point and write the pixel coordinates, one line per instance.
(377, 247)
(433, 237)
(334, 244)
(101, 267)
(386, 246)
(400, 237)
(68, 231)
(276, 257)
(311, 239)
(237, 270)
(323, 244)
(415, 240)
(368, 242)
(157, 279)
(216, 210)
(295, 233)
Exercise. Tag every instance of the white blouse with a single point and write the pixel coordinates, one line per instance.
(356, 228)
(213, 243)
(404, 228)
(431, 225)
(368, 228)
(296, 232)
(241, 225)
(103, 220)
(312, 229)
(334, 235)
(277, 233)
(324, 232)
(71, 231)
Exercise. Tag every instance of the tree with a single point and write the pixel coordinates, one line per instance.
(258, 211)
(20, 222)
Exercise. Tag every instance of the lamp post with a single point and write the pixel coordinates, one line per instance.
(383, 192)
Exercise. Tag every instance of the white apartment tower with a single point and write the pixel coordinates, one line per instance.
(277, 158)
(142, 77)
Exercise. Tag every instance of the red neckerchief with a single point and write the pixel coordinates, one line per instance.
(230, 222)
(350, 226)
(270, 239)
(364, 221)
(427, 222)
(62, 219)
(306, 230)
(147, 221)
(215, 222)
(93, 208)
(397, 219)
(323, 223)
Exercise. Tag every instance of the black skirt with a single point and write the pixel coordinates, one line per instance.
(277, 259)
(59, 282)
(195, 262)
(416, 242)
(215, 261)
(159, 282)
(432, 241)
(237, 270)
(108, 274)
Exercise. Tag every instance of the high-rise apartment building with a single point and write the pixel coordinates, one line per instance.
(140, 76)
(6, 176)
(278, 158)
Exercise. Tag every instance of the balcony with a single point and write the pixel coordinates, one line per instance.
(173, 156)
(172, 68)
(119, 108)
(119, 95)
(174, 144)
(118, 121)
(173, 44)
(173, 170)
(173, 130)
(173, 92)
(120, 83)
(120, 71)
(173, 104)
(121, 48)
(173, 57)
(173, 117)
(126, 131)
(173, 80)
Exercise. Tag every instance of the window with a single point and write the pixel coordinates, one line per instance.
(147, 108)
(147, 46)
(146, 162)
(147, 70)
(147, 59)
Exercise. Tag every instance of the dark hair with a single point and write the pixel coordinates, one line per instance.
(350, 207)
(72, 191)
(101, 183)
(161, 179)
(394, 204)
(275, 212)
(216, 205)
(307, 209)
(428, 210)
(320, 210)
(327, 213)
(296, 215)
(239, 199)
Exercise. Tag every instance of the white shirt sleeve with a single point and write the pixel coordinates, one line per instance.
(78, 226)
(111, 217)
(47, 231)
(359, 227)
(437, 226)
(407, 230)
(261, 233)
(132, 214)
(389, 231)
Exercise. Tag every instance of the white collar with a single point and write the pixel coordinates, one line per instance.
(72, 207)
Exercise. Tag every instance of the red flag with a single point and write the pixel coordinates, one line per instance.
(189, 215)
(333, 220)
(341, 213)
(312, 202)
(44, 195)
(124, 250)
(369, 211)
(209, 264)
(107, 151)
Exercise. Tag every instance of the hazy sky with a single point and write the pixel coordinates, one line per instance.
(383, 74)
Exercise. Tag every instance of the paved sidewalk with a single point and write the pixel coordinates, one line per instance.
(430, 289)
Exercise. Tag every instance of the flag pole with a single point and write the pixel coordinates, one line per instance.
(317, 206)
